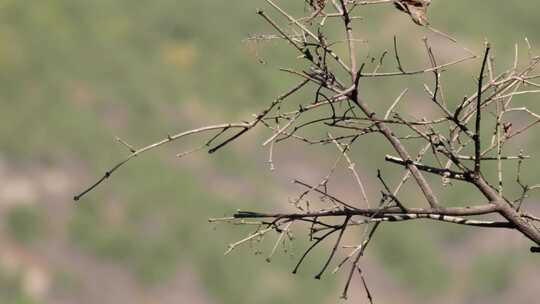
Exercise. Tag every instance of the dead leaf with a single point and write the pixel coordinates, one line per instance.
(318, 4)
(417, 9)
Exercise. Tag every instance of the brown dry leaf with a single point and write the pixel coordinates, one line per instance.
(318, 4)
(417, 9)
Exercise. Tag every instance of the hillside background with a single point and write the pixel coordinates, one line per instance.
(76, 74)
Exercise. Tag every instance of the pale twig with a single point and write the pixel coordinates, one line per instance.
(420, 71)
(271, 155)
(130, 147)
(517, 93)
(407, 173)
(188, 152)
(242, 241)
(280, 131)
(352, 168)
(280, 238)
(169, 139)
(394, 104)
(350, 39)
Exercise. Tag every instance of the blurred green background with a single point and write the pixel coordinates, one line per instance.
(75, 74)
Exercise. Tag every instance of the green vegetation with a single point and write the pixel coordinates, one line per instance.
(492, 273)
(410, 253)
(11, 290)
(24, 223)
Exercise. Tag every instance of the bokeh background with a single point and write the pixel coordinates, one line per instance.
(75, 74)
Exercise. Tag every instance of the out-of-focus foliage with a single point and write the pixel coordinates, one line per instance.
(24, 224)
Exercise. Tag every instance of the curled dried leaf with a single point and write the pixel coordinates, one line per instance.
(417, 9)
(318, 4)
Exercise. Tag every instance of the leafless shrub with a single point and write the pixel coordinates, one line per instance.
(452, 140)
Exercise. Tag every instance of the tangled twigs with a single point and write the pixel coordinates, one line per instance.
(451, 146)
